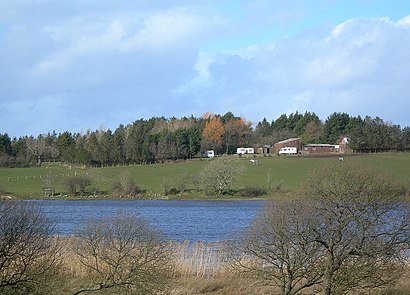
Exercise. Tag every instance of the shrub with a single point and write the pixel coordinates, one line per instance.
(217, 177)
(182, 182)
(252, 192)
(29, 255)
(166, 185)
(123, 254)
(277, 187)
(126, 186)
(173, 191)
(77, 183)
(13, 162)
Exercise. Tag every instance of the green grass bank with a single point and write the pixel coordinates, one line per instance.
(288, 173)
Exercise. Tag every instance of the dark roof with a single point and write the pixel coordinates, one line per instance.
(320, 145)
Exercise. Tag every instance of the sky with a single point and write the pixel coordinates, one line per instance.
(83, 65)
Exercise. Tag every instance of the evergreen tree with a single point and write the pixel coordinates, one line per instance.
(335, 126)
(263, 128)
(5, 144)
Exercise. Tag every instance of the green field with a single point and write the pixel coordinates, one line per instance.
(290, 172)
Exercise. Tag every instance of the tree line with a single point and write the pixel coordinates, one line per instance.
(160, 139)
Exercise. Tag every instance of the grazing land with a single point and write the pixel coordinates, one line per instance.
(286, 174)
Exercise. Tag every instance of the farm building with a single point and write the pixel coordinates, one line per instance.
(265, 150)
(343, 144)
(291, 142)
(319, 148)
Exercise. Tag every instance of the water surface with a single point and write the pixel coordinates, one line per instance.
(208, 221)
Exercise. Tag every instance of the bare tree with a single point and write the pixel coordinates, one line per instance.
(39, 148)
(125, 186)
(361, 226)
(278, 248)
(182, 182)
(124, 254)
(29, 255)
(36, 148)
(219, 175)
(77, 183)
(350, 234)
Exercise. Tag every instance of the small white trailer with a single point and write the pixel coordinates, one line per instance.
(242, 151)
(288, 151)
(210, 154)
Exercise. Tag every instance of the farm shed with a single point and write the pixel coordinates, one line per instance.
(319, 148)
(291, 142)
(265, 150)
(343, 143)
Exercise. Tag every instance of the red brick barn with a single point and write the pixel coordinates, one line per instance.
(319, 148)
(344, 145)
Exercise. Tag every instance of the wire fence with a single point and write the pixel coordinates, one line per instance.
(54, 176)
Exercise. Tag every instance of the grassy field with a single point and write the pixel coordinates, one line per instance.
(287, 172)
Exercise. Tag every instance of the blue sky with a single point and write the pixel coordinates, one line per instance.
(90, 64)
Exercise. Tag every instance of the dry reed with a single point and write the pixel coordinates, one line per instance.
(198, 268)
(191, 260)
(198, 259)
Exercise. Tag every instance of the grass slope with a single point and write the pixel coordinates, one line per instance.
(290, 172)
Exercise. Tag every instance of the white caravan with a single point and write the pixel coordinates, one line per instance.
(243, 151)
(210, 154)
(288, 151)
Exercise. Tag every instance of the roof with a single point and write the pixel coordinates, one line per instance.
(289, 140)
(320, 145)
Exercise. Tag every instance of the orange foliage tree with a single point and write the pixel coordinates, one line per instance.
(213, 132)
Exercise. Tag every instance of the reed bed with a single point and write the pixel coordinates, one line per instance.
(199, 259)
(196, 268)
(190, 259)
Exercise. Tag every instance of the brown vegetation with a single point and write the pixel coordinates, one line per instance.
(122, 253)
(28, 254)
(350, 234)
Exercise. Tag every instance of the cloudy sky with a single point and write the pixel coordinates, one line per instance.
(89, 64)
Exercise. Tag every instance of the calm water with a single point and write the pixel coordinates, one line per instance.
(208, 221)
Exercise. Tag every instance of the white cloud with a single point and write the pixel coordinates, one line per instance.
(361, 67)
(110, 62)
(339, 29)
(160, 31)
(405, 21)
(163, 30)
(92, 40)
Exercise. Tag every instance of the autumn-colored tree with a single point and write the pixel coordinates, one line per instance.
(207, 115)
(213, 133)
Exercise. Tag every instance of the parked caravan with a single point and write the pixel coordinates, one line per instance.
(243, 151)
(210, 154)
(288, 151)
